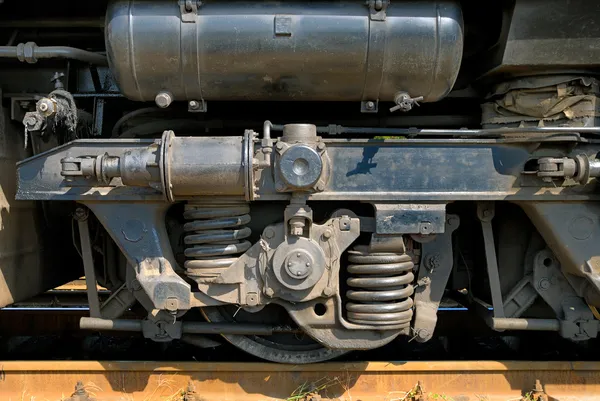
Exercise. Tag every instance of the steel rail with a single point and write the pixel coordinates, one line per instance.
(365, 381)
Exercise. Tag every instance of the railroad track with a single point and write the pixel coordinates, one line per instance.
(364, 381)
(231, 381)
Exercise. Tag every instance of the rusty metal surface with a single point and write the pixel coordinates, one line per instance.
(385, 381)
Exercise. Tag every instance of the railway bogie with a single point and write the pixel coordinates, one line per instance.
(313, 177)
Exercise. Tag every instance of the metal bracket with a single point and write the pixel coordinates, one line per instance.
(435, 269)
(189, 10)
(369, 106)
(197, 106)
(140, 233)
(520, 298)
(406, 218)
(576, 319)
(377, 9)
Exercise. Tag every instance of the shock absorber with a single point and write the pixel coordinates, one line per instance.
(380, 288)
(214, 237)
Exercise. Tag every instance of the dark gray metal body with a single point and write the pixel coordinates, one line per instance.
(284, 50)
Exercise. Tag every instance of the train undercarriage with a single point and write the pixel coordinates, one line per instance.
(313, 178)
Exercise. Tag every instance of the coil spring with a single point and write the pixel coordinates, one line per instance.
(381, 289)
(214, 236)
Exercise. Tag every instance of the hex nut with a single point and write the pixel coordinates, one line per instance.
(269, 292)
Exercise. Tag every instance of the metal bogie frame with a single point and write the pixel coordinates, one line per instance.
(129, 185)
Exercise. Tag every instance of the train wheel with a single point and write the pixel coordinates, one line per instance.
(291, 348)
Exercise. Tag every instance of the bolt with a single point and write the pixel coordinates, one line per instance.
(289, 264)
(425, 228)
(194, 104)
(298, 273)
(433, 262)
(172, 304)
(307, 264)
(423, 334)
(452, 220)
(544, 284)
(328, 291)
(370, 105)
(321, 146)
(280, 186)
(320, 187)
(252, 299)
(30, 121)
(279, 145)
(269, 292)
(269, 233)
(43, 106)
(487, 213)
(327, 234)
(80, 214)
(164, 100)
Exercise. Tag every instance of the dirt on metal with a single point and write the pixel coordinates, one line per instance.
(364, 381)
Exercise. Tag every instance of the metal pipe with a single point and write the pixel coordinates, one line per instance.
(528, 324)
(78, 22)
(229, 328)
(90, 323)
(413, 132)
(267, 125)
(30, 52)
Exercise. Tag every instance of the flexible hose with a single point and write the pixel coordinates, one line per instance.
(117, 127)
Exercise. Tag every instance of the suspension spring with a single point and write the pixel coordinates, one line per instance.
(381, 288)
(214, 237)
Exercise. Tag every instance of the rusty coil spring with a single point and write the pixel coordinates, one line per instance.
(381, 288)
(214, 236)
